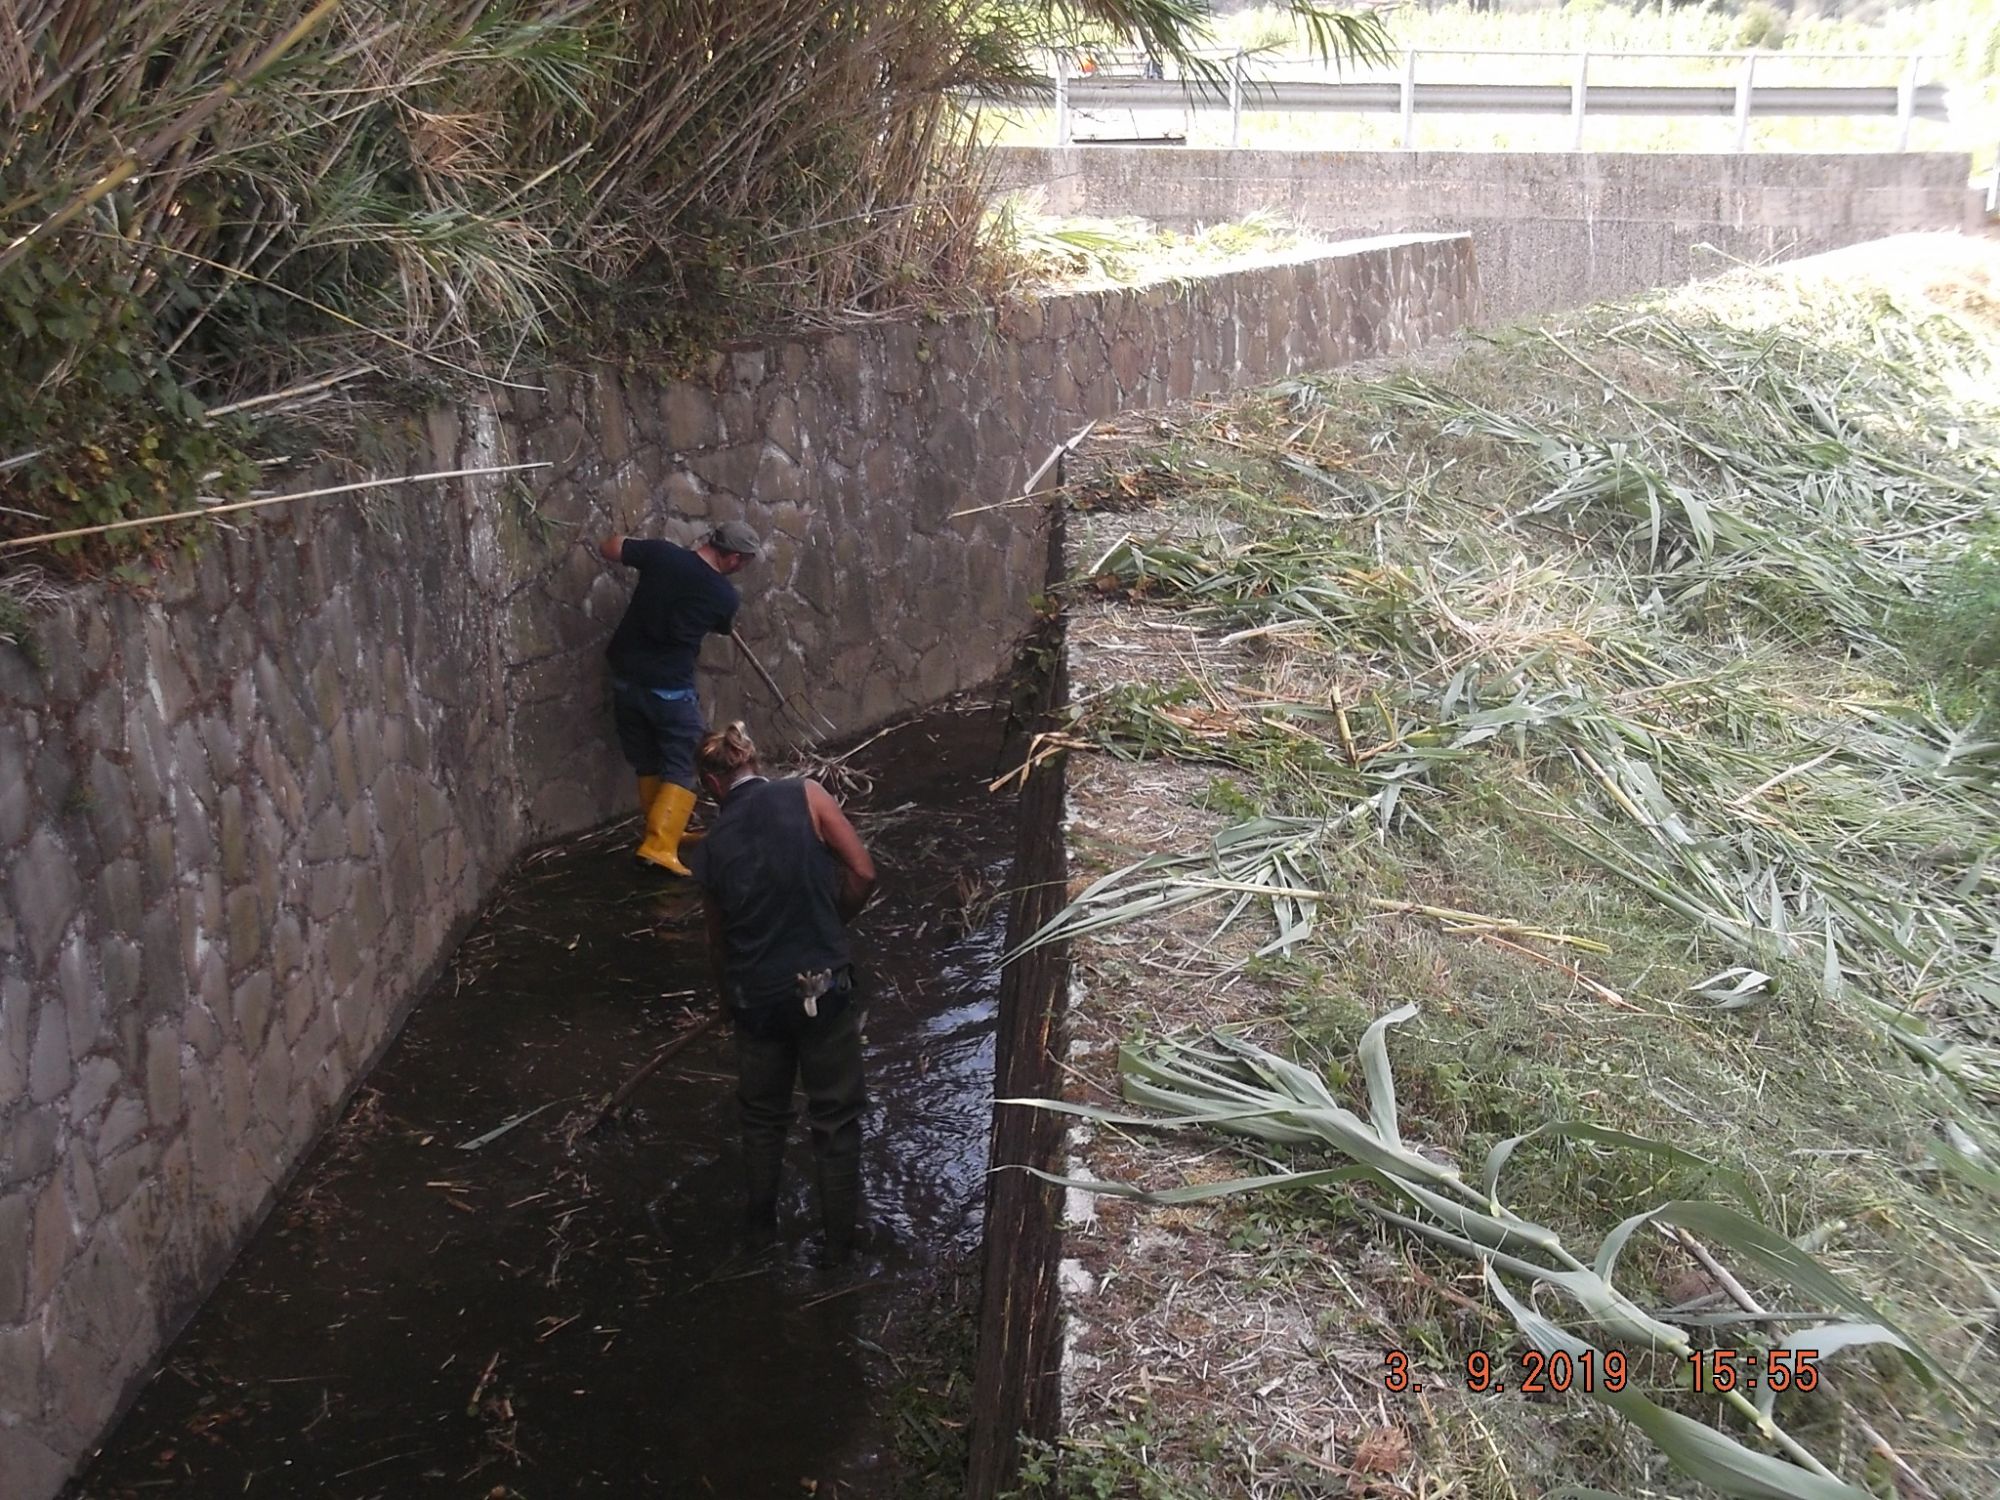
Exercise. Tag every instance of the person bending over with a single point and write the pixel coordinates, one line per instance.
(684, 595)
(782, 872)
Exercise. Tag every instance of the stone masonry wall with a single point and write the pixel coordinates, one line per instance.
(243, 816)
(1552, 229)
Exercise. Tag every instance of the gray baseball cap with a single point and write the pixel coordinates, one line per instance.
(734, 536)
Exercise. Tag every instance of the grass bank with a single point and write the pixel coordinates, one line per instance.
(1961, 38)
(1575, 736)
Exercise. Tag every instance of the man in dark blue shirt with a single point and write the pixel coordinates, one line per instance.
(684, 595)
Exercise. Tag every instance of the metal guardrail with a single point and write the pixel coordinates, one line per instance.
(1742, 100)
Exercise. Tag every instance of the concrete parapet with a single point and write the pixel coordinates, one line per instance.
(243, 816)
(1552, 229)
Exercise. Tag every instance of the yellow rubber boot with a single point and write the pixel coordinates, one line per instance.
(649, 793)
(666, 821)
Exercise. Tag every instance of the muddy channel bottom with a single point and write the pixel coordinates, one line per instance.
(551, 1314)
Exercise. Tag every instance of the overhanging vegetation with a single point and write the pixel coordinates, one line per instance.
(221, 201)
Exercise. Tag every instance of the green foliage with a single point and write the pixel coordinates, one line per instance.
(1619, 605)
(1224, 796)
(1953, 632)
(1129, 251)
(107, 429)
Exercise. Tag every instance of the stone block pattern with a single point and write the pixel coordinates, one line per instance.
(244, 817)
(1553, 230)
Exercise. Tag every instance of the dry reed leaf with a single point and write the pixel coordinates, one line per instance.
(1382, 1450)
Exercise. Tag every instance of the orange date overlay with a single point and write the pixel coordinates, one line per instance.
(1535, 1374)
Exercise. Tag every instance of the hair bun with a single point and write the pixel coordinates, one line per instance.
(727, 751)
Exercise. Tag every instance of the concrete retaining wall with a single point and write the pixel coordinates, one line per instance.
(244, 816)
(1552, 229)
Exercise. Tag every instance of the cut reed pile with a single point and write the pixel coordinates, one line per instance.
(1609, 691)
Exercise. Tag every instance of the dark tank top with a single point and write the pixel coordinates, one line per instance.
(776, 885)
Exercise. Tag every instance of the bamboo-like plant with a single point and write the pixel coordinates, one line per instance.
(225, 197)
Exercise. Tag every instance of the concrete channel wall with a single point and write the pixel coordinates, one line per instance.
(244, 814)
(1016, 1386)
(1552, 229)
